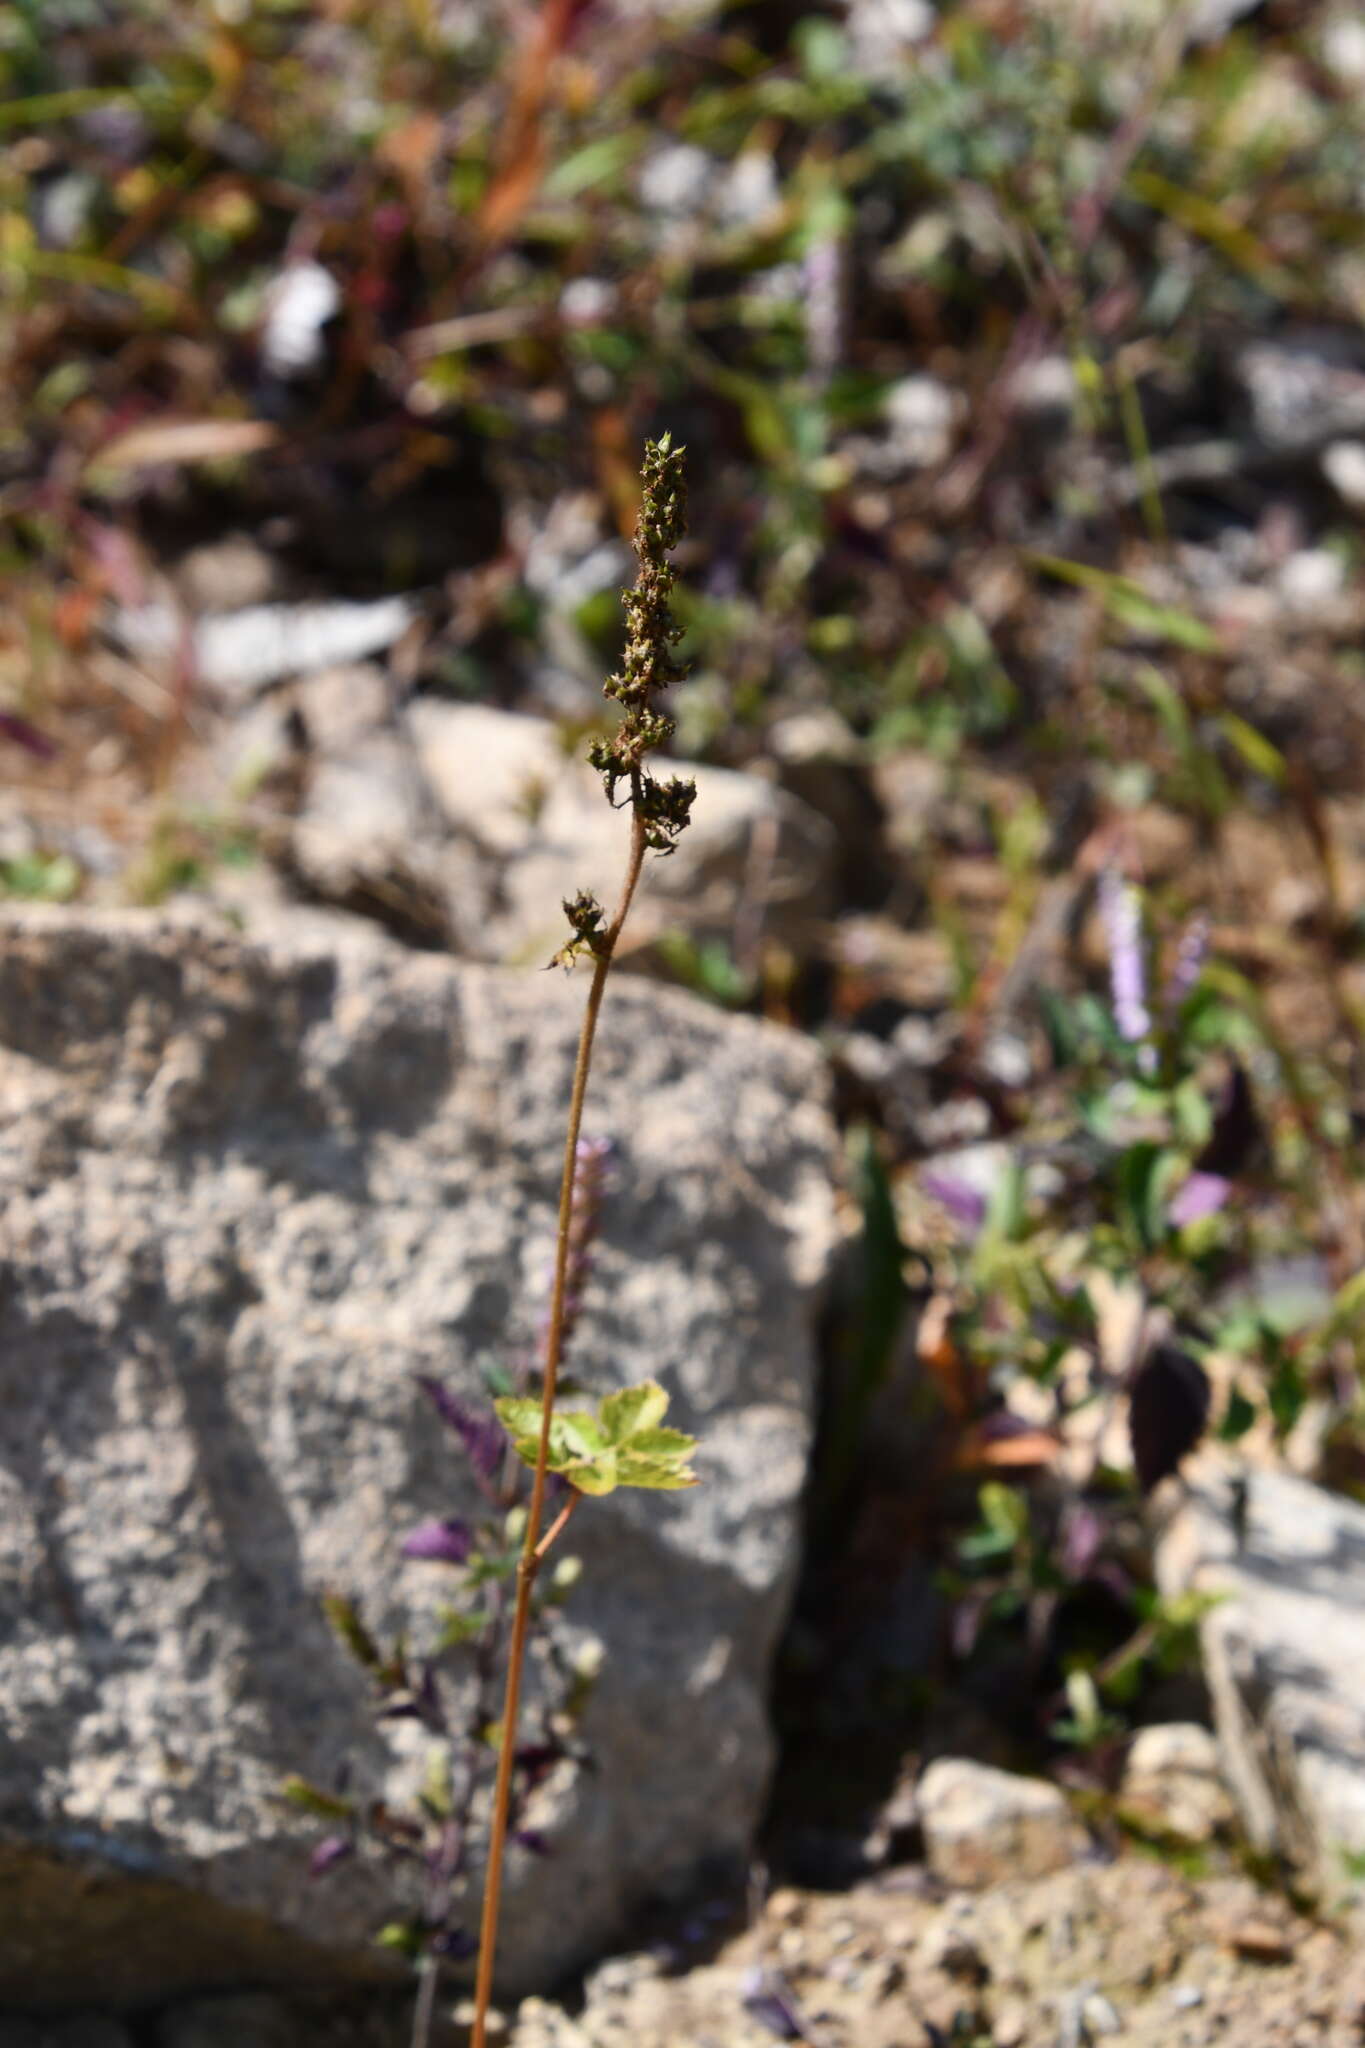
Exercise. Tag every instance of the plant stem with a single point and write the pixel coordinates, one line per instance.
(533, 1549)
(426, 2001)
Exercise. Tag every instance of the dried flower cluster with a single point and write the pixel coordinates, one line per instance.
(648, 665)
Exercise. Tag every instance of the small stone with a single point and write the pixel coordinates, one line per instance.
(1186, 1997)
(675, 180)
(921, 415)
(1343, 49)
(1044, 393)
(1172, 1782)
(882, 33)
(1260, 1941)
(1343, 462)
(951, 1949)
(1009, 2029)
(1312, 577)
(1098, 2015)
(982, 1826)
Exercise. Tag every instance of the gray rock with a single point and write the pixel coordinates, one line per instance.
(982, 1826)
(1343, 462)
(884, 35)
(507, 789)
(1284, 1654)
(249, 1192)
(1304, 388)
(240, 652)
(921, 415)
(465, 826)
(1172, 1782)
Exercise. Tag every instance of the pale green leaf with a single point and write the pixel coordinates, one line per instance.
(632, 1410)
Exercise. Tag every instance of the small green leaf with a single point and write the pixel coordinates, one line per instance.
(594, 1476)
(519, 1417)
(632, 1410)
(402, 1936)
(347, 1625)
(594, 164)
(457, 1628)
(653, 1474)
(661, 1444)
(620, 1446)
(312, 1799)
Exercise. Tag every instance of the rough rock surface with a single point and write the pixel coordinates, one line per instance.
(981, 1825)
(248, 1192)
(1284, 1654)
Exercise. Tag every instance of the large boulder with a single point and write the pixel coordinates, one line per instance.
(1283, 1565)
(249, 1191)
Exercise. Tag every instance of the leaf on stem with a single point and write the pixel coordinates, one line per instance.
(624, 1444)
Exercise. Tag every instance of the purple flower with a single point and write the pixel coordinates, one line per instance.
(822, 286)
(330, 1851)
(1121, 916)
(19, 730)
(441, 1541)
(1202, 1194)
(1188, 964)
(964, 1203)
(481, 1434)
(1082, 1536)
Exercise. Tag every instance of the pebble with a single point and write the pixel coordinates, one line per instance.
(1010, 2027)
(1099, 2016)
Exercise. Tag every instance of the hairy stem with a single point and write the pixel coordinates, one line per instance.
(533, 1550)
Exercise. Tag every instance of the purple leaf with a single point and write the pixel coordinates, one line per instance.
(1203, 1194)
(533, 1841)
(441, 1541)
(330, 1851)
(27, 736)
(1237, 1135)
(481, 1434)
(964, 1203)
(768, 1998)
(1168, 1410)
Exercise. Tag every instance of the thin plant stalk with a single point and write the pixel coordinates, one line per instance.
(426, 2001)
(659, 812)
(533, 1551)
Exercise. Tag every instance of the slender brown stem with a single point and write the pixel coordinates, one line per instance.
(533, 1549)
(557, 1527)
